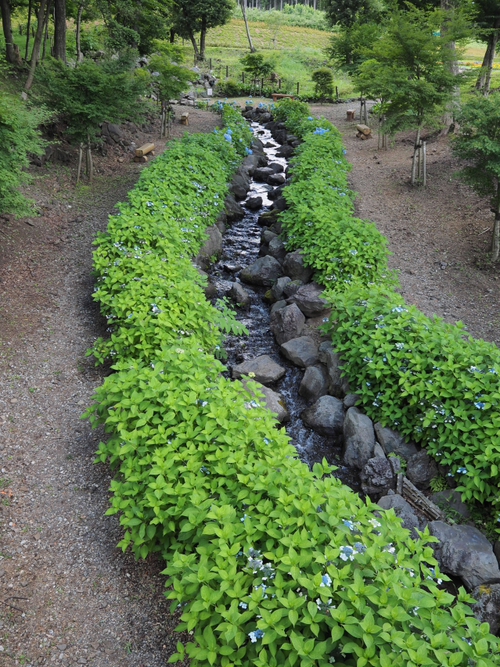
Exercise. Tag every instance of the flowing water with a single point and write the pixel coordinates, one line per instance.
(241, 245)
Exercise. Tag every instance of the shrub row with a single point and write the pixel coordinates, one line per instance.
(429, 380)
(270, 563)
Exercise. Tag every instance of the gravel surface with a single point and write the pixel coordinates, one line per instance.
(68, 596)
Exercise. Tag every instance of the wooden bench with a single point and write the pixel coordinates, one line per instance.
(185, 118)
(141, 153)
(280, 96)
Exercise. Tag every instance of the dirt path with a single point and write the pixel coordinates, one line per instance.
(67, 595)
(440, 235)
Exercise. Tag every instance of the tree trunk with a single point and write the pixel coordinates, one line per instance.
(484, 79)
(28, 31)
(416, 155)
(203, 38)
(79, 54)
(245, 18)
(495, 241)
(59, 50)
(195, 45)
(11, 50)
(37, 44)
(46, 28)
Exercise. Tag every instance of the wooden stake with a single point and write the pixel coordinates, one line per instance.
(424, 162)
(80, 160)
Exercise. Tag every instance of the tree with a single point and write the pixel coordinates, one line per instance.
(478, 142)
(247, 29)
(12, 54)
(198, 16)
(351, 44)
(348, 12)
(59, 49)
(42, 17)
(488, 22)
(409, 69)
(323, 83)
(90, 93)
(19, 137)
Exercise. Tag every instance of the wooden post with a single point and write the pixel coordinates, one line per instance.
(243, 77)
(337, 93)
(227, 71)
(261, 86)
(298, 87)
(210, 62)
(424, 161)
(80, 160)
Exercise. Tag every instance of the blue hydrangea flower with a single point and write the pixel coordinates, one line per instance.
(255, 635)
(248, 151)
(326, 580)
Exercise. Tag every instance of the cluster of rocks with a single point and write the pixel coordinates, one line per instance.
(394, 473)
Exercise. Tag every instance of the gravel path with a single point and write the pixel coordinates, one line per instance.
(68, 596)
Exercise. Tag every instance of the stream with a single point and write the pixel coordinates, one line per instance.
(241, 245)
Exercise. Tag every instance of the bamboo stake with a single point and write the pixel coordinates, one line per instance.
(424, 154)
(80, 160)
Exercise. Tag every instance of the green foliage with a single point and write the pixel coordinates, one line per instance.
(323, 82)
(170, 78)
(350, 45)
(410, 67)
(257, 66)
(90, 93)
(348, 12)
(300, 16)
(19, 137)
(134, 24)
(478, 142)
(270, 563)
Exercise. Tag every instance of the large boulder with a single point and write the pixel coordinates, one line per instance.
(393, 443)
(487, 607)
(210, 249)
(277, 249)
(403, 510)
(263, 368)
(359, 439)
(302, 351)
(239, 295)
(377, 477)
(263, 272)
(293, 267)
(450, 501)
(276, 167)
(240, 185)
(279, 286)
(326, 417)
(308, 298)
(262, 174)
(276, 404)
(254, 203)
(464, 552)
(314, 383)
(234, 211)
(339, 386)
(276, 179)
(287, 323)
(421, 469)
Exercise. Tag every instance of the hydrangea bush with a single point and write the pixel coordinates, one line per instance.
(269, 563)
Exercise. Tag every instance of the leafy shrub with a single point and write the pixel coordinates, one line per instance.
(301, 16)
(19, 137)
(323, 82)
(271, 563)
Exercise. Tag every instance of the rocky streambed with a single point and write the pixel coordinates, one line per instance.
(301, 374)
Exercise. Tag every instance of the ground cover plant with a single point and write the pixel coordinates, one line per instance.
(427, 379)
(269, 562)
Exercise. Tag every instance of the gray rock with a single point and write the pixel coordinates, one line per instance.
(279, 204)
(302, 351)
(464, 552)
(268, 236)
(114, 131)
(240, 185)
(326, 417)
(292, 287)
(211, 248)
(287, 323)
(279, 305)
(263, 272)
(359, 439)
(496, 550)
(277, 249)
(262, 174)
(254, 203)
(314, 383)
(393, 442)
(265, 369)
(278, 287)
(268, 218)
(276, 167)
(450, 501)
(377, 478)
(285, 151)
(239, 295)
(403, 510)
(421, 469)
(234, 211)
(276, 179)
(378, 452)
(487, 607)
(308, 299)
(350, 401)
(293, 267)
(339, 386)
(276, 404)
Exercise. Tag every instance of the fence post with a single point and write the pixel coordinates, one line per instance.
(227, 71)
(298, 87)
